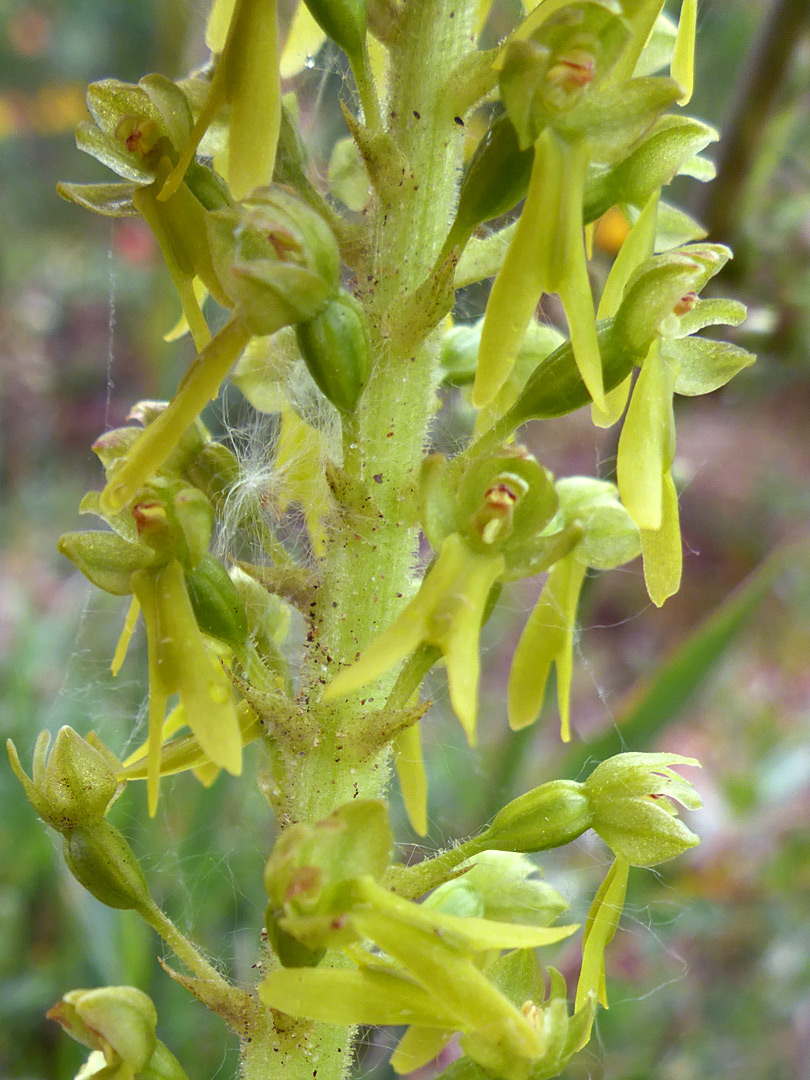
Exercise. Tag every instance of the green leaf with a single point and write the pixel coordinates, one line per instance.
(705, 365)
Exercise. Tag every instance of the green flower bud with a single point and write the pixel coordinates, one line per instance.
(610, 536)
(495, 181)
(344, 21)
(310, 864)
(458, 353)
(214, 471)
(218, 607)
(632, 799)
(163, 1065)
(276, 257)
(334, 348)
(119, 1021)
(71, 786)
(291, 952)
(102, 861)
(207, 186)
(549, 816)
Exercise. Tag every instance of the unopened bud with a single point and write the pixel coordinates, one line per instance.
(276, 257)
(120, 1021)
(218, 606)
(73, 787)
(547, 817)
(102, 861)
(344, 21)
(495, 181)
(335, 351)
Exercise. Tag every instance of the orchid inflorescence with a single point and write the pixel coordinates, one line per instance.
(337, 322)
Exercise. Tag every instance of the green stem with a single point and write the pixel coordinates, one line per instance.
(367, 571)
(411, 675)
(219, 994)
(367, 91)
(411, 882)
(368, 566)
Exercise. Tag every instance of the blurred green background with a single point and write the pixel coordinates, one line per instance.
(710, 974)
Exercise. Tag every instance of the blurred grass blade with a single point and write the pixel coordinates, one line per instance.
(682, 674)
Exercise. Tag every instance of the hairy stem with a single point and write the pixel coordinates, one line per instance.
(367, 569)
